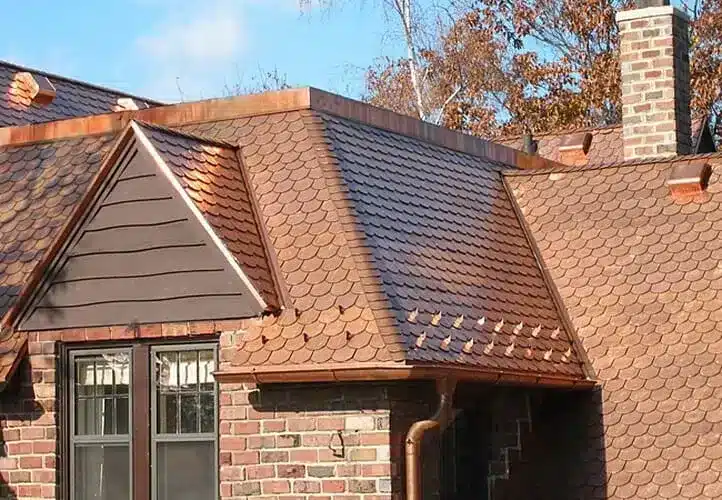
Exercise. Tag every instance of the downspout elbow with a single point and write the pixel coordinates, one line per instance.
(415, 436)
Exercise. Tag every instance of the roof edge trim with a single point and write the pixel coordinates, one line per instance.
(365, 372)
(269, 103)
(169, 115)
(587, 367)
(171, 178)
(368, 114)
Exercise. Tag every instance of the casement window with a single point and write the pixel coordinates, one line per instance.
(141, 423)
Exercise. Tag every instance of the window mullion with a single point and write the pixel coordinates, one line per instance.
(140, 429)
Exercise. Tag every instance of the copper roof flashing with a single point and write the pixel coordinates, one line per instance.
(41, 90)
(689, 179)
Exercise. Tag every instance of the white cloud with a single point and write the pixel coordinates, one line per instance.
(192, 49)
(198, 45)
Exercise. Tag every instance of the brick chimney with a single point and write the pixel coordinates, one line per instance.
(655, 80)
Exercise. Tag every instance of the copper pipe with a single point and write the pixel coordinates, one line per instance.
(445, 388)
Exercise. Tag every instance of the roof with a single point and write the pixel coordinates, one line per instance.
(73, 99)
(639, 274)
(444, 236)
(350, 278)
(211, 174)
(607, 144)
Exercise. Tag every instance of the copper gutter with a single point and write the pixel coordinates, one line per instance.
(445, 388)
(365, 372)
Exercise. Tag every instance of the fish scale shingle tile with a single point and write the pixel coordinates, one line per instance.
(640, 275)
(469, 255)
(210, 173)
(330, 318)
(445, 238)
(72, 99)
(40, 185)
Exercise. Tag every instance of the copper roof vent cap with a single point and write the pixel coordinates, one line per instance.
(689, 178)
(41, 90)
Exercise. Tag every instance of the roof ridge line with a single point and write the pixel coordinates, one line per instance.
(549, 283)
(80, 82)
(563, 131)
(601, 166)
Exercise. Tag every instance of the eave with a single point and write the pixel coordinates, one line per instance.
(370, 372)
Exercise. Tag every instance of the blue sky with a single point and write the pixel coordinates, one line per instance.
(149, 47)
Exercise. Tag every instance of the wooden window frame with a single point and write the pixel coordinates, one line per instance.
(142, 406)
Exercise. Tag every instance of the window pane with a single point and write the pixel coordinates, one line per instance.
(168, 413)
(205, 371)
(208, 414)
(102, 472)
(186, 471)
(185, 392)
(123, 415)
(189, 413)
(101, 394)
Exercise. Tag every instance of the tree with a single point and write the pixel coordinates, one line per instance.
(419, 24)
(509, 66)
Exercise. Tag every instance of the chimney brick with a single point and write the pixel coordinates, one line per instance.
(655, 80)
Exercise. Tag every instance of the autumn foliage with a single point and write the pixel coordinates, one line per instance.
(509, 66)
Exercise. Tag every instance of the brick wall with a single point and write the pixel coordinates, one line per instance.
(340, 441)
(655, 81)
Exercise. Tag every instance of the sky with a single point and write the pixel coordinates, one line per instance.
(174, 50)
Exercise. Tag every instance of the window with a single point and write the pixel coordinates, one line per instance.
(142, 423)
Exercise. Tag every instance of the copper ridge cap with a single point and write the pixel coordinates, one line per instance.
(281, 101)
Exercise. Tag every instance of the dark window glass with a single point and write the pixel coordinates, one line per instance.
(184, 472)
(102, 472)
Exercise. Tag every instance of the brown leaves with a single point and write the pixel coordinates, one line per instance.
(508, 66)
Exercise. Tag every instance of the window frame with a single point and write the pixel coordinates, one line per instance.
(180, 438)
(142, 426)
(96, 439)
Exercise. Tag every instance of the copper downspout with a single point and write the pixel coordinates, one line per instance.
(445, 388)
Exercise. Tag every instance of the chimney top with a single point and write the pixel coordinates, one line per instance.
(654, 56)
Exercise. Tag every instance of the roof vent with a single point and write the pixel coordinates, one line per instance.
(689, 179)
(573, 148)
(530, 145)
(41, 91)
(126, 104)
